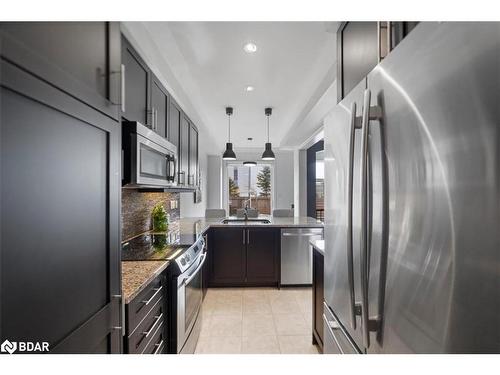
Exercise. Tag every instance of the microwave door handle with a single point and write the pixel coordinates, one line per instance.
(171, 165)
(168, 167)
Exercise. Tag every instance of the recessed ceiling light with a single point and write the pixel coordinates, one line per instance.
(249, 88)
(250, 48)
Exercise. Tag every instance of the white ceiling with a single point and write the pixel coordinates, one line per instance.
(292, 63)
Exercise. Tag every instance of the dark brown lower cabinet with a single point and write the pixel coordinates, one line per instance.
(227, 256)
(146, 320)
(262, 256)
(244, 256)
(318, 296)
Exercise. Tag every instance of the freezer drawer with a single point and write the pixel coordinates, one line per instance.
(296, 255)
(336, 339)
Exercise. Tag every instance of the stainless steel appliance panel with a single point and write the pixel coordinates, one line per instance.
(330, 344)
(342, 278)
(336, 340)
(439, 92)
(189, 301)
(148, 159)
(296, 255)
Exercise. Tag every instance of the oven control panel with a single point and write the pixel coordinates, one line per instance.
(191, 255)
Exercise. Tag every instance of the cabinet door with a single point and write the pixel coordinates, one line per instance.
(159, 107)
(193, 155)
(81, 58)
(174, 123)
(136, 86)
(59, 163)
(184, 151)
(174, 126)
(227, 257)
(262, 256)
(318, 297)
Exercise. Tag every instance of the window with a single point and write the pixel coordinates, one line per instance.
(320, 186)
(250, 186)
(316, 181)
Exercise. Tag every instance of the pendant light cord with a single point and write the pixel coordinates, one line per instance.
(229, 128)
(267, 128)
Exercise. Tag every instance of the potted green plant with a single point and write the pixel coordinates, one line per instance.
(160, 218)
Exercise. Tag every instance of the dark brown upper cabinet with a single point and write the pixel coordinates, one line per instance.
(361, 46)
(184, 150)
(159, 107)
(136, 86)
(175, 123)
(193, 156)
(148, 102)
(81, 58)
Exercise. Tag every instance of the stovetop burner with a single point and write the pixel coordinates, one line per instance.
(153, 246)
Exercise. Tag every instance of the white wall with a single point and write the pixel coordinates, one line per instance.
(284, 175)
(300, 165)
(214, 181)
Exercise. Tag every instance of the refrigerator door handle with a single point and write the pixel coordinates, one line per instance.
(354, 308)
(369, 113)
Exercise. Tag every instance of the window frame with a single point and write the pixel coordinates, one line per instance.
(225, 182)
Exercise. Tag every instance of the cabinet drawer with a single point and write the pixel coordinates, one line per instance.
(139, 307)
(158, 342)
(146, 329)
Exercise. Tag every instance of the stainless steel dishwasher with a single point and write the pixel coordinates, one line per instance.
(296, 255)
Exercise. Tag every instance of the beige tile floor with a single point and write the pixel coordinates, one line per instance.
(257, 321)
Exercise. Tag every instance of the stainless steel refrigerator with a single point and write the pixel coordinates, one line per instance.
(412, 199)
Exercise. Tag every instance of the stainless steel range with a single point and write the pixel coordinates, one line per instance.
(186, 298)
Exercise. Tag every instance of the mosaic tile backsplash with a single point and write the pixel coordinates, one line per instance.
(137, 207)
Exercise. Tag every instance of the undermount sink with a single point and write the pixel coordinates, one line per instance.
(249, 220)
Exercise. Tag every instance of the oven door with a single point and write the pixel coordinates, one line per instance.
(189, 300)
(154, 164)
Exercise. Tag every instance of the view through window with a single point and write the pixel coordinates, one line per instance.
(250, 186)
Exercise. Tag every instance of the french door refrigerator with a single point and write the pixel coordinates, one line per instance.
(412, 203)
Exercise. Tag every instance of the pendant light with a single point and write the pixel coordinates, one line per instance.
(229, 153)
(249, 164)
(268, 152)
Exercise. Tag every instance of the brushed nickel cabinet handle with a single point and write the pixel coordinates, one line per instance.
(158, 347)
(157, 290)
(157, 319)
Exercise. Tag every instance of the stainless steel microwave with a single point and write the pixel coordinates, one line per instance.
(148, 159)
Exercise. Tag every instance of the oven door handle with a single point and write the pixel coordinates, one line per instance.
(187, 280)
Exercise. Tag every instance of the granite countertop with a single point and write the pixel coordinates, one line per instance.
(199, 225)
(319, 245)
(136, 275)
